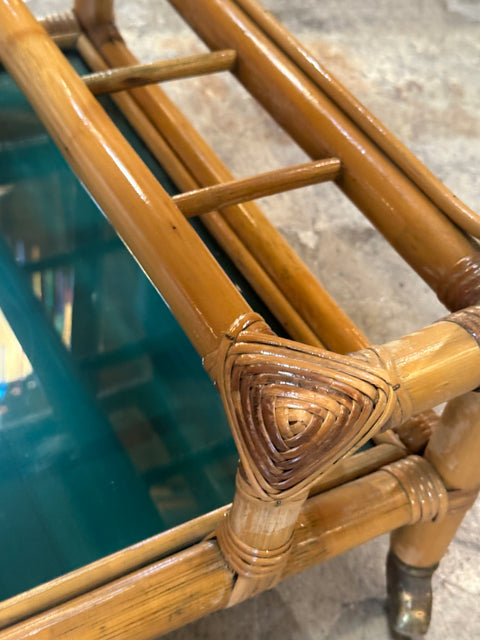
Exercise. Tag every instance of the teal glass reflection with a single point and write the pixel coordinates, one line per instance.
(110, 431)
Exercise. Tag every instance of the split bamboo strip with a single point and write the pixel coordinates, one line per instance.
(440, 195)
(428, 240)
(141, 74)
(111, 567)
(223, 234)
(196, 203)
(158, 234)
(179, 589)
(323, 316)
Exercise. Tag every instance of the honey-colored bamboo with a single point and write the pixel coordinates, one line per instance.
(138, 75)
(294, 411)
(323, 316)
(109, 568)
(158, 234)
(222, 232)
(426, 238)
(440, 195)
(196, 203)
(147, 551)
(261, 282)
(172, 592)
(454, 450)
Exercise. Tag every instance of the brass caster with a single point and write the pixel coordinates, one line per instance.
(409, 592)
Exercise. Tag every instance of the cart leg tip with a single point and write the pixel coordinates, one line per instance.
(409, 592)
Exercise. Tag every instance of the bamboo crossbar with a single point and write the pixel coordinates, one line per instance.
(141, 74)
(440, 195)
(252, 270)
(296, 410)
(430, 242)
(322, 314)
(120, 182)
(196, 203)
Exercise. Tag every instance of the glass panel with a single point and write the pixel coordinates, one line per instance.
(110, 431)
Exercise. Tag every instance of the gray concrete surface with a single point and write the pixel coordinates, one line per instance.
(416, 65)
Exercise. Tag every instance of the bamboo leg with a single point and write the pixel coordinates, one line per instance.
(454, 450)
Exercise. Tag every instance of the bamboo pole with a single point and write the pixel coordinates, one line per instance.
(440, 195)
(138, 75)
(289, 274)
(428, 240)
(261, 282)
(140, 210)
(174, 591)
(114, 566)
(454, 451)
(240, 254)
(196, 203)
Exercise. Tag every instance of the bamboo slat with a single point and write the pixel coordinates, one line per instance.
(440, 195)
(428, 240)
(141, 74)
(196, 203)
(174, 591)
(158, 234)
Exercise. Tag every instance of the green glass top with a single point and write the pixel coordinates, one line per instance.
(110, 431)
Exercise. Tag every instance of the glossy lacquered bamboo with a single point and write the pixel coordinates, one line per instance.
(196, 203)
(138, 75)
(147, 551)
(454, 450)
(426, 238)
(442, 197)
(268, 291)
(143, 214)
(323, 316)
(108, 569)
(172, 592)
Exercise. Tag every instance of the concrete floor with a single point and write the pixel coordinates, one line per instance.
(415, 64)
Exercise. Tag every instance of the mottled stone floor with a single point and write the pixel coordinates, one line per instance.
(416, 65)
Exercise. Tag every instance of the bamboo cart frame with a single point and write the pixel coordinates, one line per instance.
(298, 408)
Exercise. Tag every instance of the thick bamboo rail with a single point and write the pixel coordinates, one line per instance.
(427, 239)
(143, 214)
(164, 544)
(440, 195)
(247, 264)
(196, 203)
(261, 282)
(172, 592)
(138, 75)
(289, 274)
